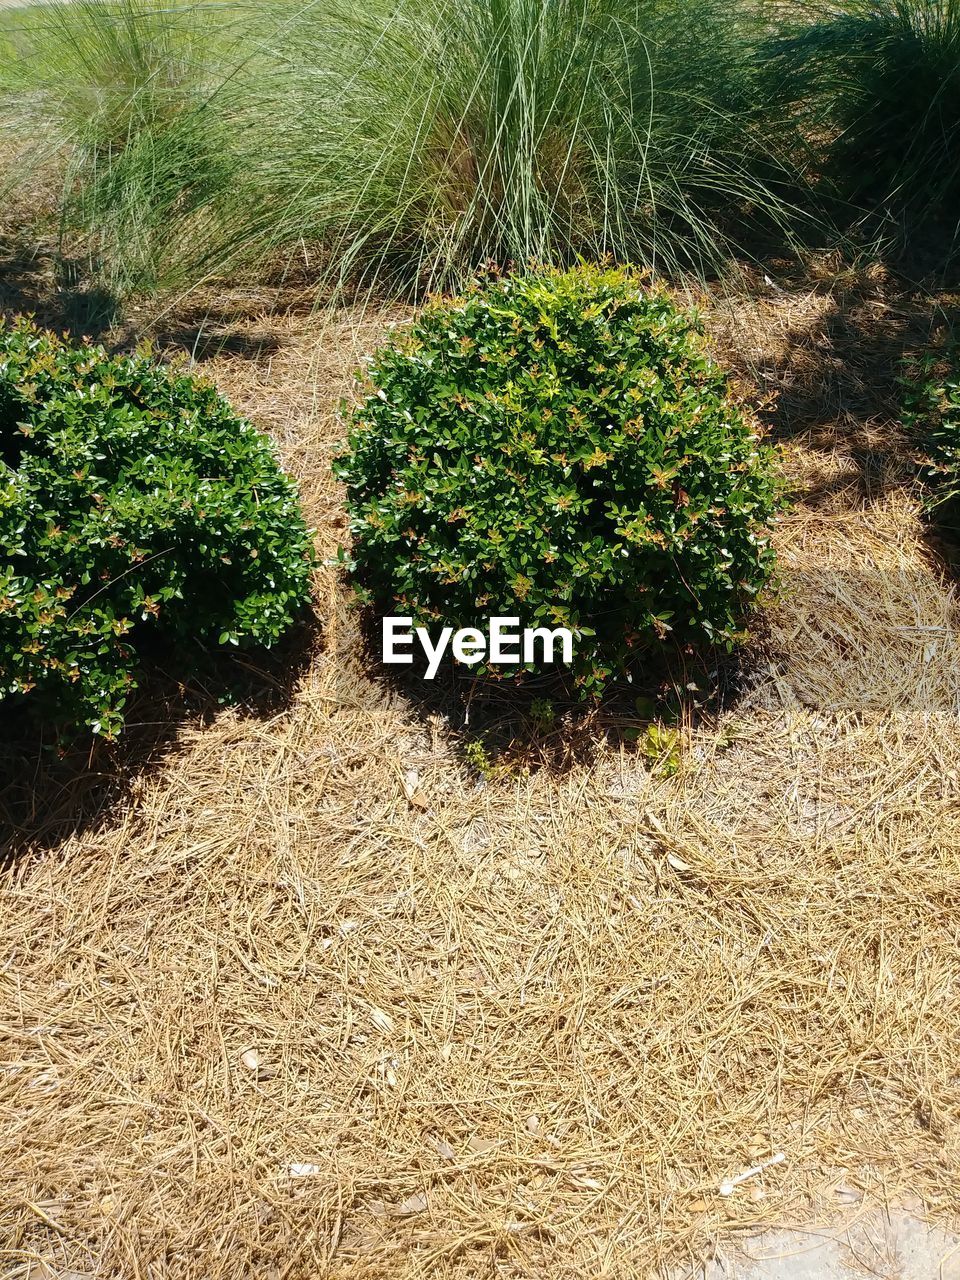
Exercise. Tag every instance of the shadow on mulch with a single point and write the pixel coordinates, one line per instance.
(824, 354)
(35, 281)
(835, 376)
(539, 722)
(206, 336)
(52, 789)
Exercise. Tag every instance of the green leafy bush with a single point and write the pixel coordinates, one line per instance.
(559, 447)
(132, 497)
(931, 411)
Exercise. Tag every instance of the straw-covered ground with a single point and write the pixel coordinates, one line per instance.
(310, 995)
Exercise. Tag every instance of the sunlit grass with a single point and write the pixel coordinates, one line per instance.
(436, 135)
(118, 97)
(412, 140)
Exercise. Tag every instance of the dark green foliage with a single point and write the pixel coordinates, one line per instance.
(877, 83)
(131, 497)
(931, 411)
(559, 447)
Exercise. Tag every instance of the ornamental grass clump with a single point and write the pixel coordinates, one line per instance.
(133, 499)
(422, 137)
(560, 447)
(126, 102)
(875, 84)
(399, 143)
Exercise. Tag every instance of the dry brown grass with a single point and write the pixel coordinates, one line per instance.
(520, 1027)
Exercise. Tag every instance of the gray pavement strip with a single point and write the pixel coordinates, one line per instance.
(886, 1244)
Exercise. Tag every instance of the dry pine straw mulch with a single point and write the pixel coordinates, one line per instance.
(277, 1013)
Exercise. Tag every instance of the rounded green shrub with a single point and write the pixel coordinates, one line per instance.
(132, 499)
(559, 447)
